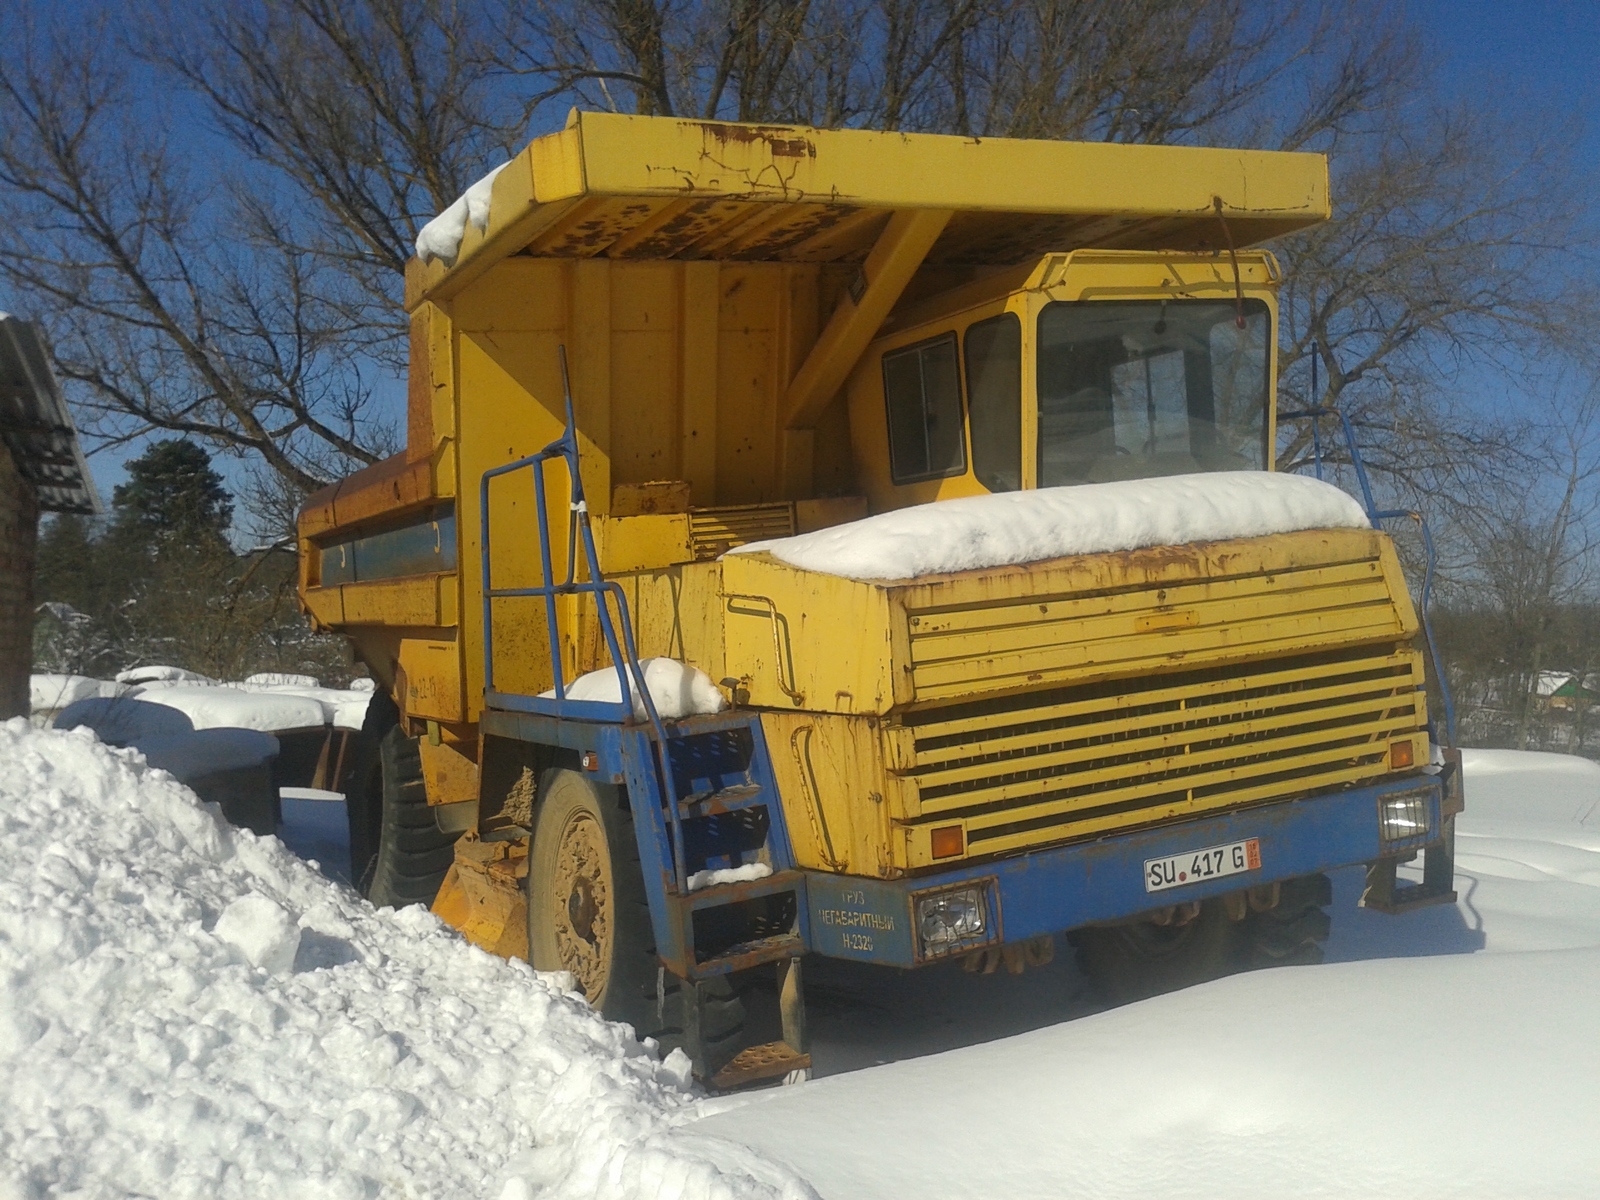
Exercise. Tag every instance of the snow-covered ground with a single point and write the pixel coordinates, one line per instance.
(1450, 1052)
(187, 1010)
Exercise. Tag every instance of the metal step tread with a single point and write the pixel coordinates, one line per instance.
(753, 953)
(754, 1064)
(1409, 898)
(731, 893)
(723, 800)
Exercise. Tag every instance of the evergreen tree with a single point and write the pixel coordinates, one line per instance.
(174, 496)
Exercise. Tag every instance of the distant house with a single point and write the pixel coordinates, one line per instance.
(41, 470)
(1564, 691)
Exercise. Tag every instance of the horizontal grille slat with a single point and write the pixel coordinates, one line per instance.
(1257, 610)
(1074, 761)
(713, 531)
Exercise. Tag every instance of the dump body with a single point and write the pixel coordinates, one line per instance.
(732, 301)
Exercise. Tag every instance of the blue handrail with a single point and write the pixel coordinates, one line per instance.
(623, 649)
(1377, 517)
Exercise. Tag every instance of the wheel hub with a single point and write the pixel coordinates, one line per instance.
(582, 899)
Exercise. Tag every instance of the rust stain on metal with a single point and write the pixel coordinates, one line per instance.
(779, 138)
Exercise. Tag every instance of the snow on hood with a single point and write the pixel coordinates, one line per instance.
(1011, 528)
(678, 689)
(441, 237)
(187, 1010)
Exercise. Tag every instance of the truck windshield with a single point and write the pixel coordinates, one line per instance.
(1134, 389)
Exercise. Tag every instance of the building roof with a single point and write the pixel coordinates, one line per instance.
(654, 188)
(35, 423)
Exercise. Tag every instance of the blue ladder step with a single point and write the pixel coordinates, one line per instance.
(751, 954)
(724, 800)
(731, 893)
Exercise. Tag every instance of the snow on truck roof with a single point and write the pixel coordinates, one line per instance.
(654, 188)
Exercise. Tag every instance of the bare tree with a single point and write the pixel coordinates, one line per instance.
(1534, 555)
(1446, 251)
(242, 283)
(154, 314)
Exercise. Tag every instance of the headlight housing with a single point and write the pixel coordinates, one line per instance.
(1403, 817)
(953, 919)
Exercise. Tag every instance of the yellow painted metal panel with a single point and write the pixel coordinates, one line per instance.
(432, 669)
(1019, 771)
(449, 775)
(697, 334)
(825, 639)
(1164, 751)
(1158, 739)
(830, 775)
(991, 732)
(766, 192)
(916, 853)
(424, 601)
(627, 544)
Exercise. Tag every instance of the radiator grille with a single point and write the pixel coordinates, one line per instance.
(1070, 762)
(1034, 640)
(714, 531)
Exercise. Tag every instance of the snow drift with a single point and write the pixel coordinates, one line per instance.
(1011, 528)
(187, 1010)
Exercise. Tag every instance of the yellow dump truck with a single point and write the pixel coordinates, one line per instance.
(773, 332)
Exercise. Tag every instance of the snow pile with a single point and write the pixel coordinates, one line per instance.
(1012, 528)
(214, 707)
(343, 708)
(678, 689)
(49, 692)
(281, 679)
(441, 237)
(1452, 1052)
(189, 1011)
(161, 674)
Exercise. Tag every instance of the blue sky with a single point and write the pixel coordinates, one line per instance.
(1537, 57)
(1534, 54)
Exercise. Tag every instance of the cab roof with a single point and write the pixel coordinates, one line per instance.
(663, 188)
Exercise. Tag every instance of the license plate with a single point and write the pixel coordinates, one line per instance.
(1196, 866)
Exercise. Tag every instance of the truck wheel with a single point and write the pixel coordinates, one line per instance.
(1139, 959)
(398, 855)
(588, 914)
(1292, 932)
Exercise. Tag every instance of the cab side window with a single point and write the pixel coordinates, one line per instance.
(994, 401)
(922, 387)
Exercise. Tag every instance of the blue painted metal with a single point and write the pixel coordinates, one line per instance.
(421, 545)
(1377, 516)
(621, 644)
(1048, 891)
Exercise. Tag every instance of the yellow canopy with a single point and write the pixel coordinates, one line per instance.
(652, 188)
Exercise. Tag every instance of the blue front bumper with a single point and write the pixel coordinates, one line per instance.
(1049, 891)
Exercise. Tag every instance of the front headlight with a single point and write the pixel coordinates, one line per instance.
(1404, 817)
(947, 920)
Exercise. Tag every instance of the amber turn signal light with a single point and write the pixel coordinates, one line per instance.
(948, 841)
(1400, 755)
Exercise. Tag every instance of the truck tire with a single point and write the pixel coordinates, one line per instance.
(1292, 932)
(398, 854)
(588, 914)
(1140, 959)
